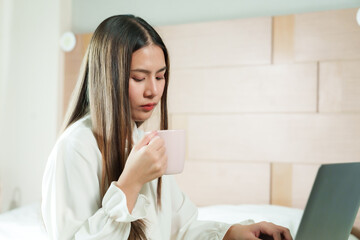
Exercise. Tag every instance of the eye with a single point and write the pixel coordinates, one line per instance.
(160, 78)
(138, 79)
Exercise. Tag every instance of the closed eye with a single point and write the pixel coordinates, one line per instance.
(138, 79)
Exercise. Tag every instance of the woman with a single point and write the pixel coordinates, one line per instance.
(104, 178)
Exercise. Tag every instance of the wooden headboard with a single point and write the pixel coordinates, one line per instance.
(264, 101)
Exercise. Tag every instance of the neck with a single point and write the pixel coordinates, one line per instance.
(138, 124)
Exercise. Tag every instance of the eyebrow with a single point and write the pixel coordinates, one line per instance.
(147, 71)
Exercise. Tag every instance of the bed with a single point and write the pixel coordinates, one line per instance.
(25, 222)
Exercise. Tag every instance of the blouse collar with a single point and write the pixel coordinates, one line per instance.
(137, 133)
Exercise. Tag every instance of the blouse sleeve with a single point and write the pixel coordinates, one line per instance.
(184, 219)
(71, 204)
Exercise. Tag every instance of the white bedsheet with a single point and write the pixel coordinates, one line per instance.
(287, 217)
(26, 223)
(22, 223)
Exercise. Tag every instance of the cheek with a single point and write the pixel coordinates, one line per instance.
(133, 92)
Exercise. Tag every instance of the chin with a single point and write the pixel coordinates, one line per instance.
(140, 118)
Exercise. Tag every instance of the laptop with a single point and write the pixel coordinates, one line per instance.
(333, 203)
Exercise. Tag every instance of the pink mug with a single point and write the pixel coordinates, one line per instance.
(175, 149)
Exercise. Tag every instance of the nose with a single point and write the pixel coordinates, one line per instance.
(151, 88)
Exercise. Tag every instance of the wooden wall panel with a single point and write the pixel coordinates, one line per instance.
(281, 184)
(272, 88)
(340, 86)
(297, 138)
(303, 178)
(221, 43)
(208, 183)
(283, 39)
(329, 35)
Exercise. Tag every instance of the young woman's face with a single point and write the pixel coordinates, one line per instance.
(146, 84)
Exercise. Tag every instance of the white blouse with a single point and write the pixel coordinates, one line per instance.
(72, 208)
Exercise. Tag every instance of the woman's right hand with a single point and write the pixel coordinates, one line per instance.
(146, 162)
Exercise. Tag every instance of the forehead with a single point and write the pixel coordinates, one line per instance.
(149, 57)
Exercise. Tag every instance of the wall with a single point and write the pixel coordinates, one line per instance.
(165, 12)
(29, 95)
(276, 95)
(264, 101)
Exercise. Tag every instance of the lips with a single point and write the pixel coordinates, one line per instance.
(148, 107)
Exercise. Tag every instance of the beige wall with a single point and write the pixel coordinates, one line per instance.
(264, 102)
(265, 92)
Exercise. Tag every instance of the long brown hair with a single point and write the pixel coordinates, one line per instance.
(103, 91)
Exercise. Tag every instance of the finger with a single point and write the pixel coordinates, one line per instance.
(271, 229)
(165, 163)
(162, 151)
(162, 154)
(277, 235)
(156, 143)
(286, 233)
(146, 140)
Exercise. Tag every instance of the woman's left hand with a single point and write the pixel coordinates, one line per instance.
(254, 231)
